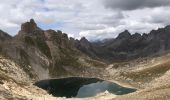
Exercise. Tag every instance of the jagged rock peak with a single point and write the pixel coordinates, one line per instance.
(167, 27)
(83, 39)
(124, 34)
(136, 35)
(29, 27)
(32, 21)
(4, 36)
(84, 42)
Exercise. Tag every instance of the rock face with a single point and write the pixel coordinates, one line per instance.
(85, 46)
(29, 27)
(4, 36)
(124, 35)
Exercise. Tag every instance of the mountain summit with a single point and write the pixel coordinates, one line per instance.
(29, 27)
(124, 34)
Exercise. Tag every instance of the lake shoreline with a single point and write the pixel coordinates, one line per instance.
(123, 84)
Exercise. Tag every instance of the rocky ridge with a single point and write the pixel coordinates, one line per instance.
(46, 54)
(130, 46)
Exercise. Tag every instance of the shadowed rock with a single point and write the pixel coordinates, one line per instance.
(29, 27)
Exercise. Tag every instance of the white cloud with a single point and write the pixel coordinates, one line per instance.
(88, 18)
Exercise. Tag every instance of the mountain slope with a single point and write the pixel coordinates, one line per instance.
(46, 53)
(150, 75)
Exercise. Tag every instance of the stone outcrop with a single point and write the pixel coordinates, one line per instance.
(29, 27)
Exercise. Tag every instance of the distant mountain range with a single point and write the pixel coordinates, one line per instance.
(128, 46)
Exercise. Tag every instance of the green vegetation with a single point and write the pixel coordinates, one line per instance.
(25, 62)
(29, 40)
(24, 57)
(67, 58)
(69, 61)
(41, 44)
(96, 63)
(43, 47)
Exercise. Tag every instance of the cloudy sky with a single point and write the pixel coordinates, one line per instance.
(94, 19)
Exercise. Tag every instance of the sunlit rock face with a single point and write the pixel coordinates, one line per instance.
(81, 87)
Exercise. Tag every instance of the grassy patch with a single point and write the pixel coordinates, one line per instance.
(67, 58)
(96, 63)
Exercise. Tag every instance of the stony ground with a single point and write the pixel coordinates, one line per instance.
(151, 76)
